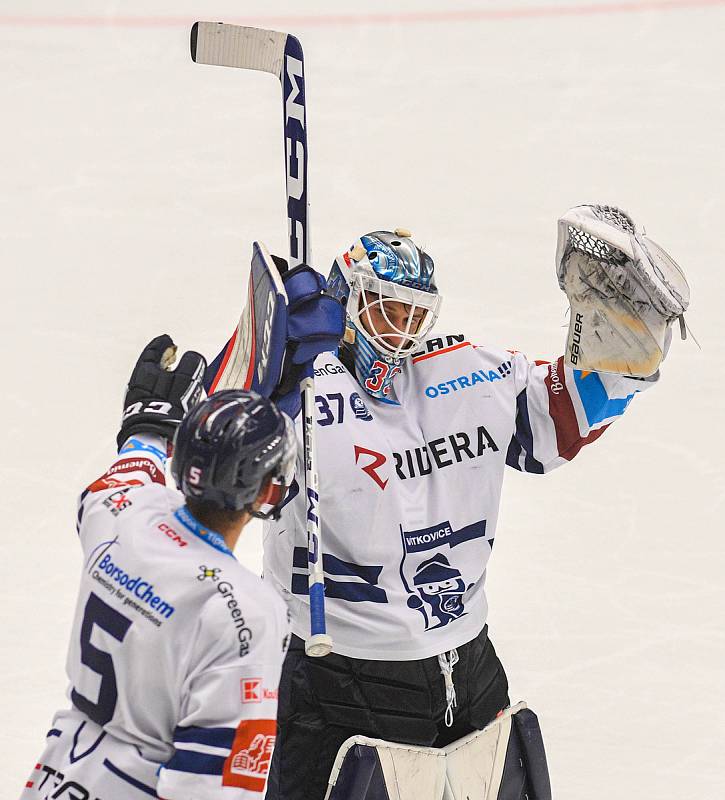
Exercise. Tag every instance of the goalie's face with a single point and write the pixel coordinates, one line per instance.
(391, 321)
(395, 319)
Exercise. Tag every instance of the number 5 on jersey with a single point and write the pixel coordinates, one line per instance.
(108, 619)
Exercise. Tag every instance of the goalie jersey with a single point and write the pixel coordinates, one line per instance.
(175, 653)
(410, 490)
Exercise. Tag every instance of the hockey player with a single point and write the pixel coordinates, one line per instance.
(414, 431)
(176, 649)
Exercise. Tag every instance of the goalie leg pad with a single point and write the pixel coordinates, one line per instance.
(504, 761)
(525, 764)
(373, 769)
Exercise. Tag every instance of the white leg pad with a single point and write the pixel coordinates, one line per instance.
(474, 764)
(470, 767)
(410, 773)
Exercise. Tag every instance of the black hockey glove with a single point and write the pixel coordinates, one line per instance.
(157, 397)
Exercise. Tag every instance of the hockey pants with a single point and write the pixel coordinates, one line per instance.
(323, 701)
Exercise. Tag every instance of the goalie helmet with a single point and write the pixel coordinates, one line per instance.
(232, 447)
(386, 284)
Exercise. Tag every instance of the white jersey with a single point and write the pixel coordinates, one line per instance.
(175, 654)
(410, 492)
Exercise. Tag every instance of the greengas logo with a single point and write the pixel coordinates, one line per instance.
(208, 572)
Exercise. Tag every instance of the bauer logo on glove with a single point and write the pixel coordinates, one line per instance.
(624, 291)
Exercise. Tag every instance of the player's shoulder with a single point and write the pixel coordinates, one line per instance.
(125, 503)
(328, 365)
(458, 348)
(242, 613)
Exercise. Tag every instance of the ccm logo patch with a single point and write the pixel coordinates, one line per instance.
(248, 764)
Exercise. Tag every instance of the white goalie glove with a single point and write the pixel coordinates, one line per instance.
(624, 291)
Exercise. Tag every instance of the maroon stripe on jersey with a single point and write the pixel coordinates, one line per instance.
(574, 448)
(561, 410)
(112, 479)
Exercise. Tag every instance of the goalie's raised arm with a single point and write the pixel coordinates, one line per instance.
(559, 410)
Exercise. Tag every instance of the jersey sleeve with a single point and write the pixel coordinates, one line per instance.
(227, 727)
(140, 462)
(559, 410)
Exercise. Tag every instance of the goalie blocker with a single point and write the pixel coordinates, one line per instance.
(504, 761)
(286, 322)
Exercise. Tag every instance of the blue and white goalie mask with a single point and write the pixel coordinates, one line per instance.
(385, 281)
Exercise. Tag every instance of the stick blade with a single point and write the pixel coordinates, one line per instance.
(224, 45)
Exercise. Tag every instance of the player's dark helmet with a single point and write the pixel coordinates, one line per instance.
(230, 448)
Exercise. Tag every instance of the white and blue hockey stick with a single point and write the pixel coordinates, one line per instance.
(281, 54)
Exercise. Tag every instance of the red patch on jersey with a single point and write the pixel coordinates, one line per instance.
(248, 764)
(110, 480)
(251, 690)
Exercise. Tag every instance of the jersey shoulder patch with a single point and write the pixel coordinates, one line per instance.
(439, 345)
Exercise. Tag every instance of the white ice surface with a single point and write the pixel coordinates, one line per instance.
(133, 184)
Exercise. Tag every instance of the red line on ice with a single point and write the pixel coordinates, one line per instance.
(305, 20)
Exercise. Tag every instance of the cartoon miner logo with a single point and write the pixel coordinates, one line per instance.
(435, 586)
(440, 587)
(208, 572)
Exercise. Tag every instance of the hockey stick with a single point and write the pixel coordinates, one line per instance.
(281, 54)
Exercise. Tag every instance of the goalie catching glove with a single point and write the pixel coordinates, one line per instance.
(157, 397)
(624, 291)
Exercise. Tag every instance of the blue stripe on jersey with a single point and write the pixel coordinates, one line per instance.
(341, 590)
(189, 521)
(597, 405)
(142, 787)
(215, 737)
(524, 438)
(53, 732)
(513, 454)
(336, 566)
(196, 763)
(81, 509)
(137, 444)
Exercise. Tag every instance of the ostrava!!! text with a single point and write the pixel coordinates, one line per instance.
(443, 452)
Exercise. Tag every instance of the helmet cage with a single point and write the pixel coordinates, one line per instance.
(368, 292)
